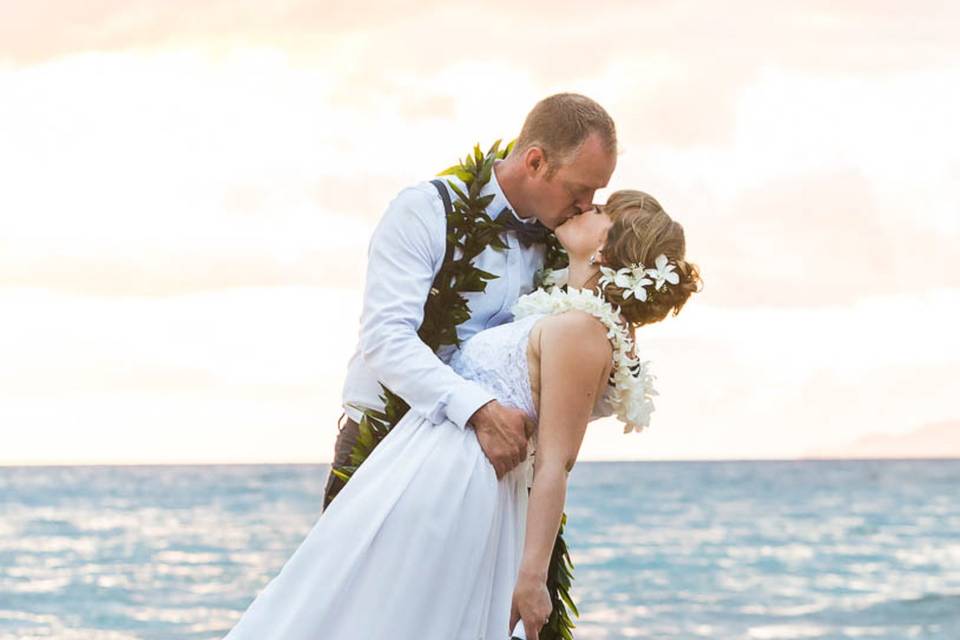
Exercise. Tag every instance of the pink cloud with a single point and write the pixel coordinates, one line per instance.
(556, 40)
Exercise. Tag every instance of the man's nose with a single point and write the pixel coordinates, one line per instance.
(585, 203)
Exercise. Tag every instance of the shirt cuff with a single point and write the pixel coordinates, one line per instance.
(466, 402)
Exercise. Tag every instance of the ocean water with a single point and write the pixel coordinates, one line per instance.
(759, 550)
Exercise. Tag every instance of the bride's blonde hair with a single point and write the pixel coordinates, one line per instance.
(641, 231)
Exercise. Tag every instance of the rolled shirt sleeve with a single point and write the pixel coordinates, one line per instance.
(405, 253)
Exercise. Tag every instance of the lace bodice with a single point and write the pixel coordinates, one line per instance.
(497, 359)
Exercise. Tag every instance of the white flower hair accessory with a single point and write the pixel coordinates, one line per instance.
(631, 279)
(634, 281)
(663, 273)
(630, 392)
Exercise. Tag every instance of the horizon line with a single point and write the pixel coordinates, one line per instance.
(11, 465)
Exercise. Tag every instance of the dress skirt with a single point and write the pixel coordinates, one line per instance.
(423, 543)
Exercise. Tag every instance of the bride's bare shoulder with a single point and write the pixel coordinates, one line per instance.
(574, 334)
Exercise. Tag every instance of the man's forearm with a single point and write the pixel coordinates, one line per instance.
(407, 366)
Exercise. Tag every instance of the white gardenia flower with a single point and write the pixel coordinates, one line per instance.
(638, 271)
(622, 278)
(607, 275)
(638, 289)
(632, 280)
(663, 272)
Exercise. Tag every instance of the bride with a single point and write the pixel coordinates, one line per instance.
(438, 548)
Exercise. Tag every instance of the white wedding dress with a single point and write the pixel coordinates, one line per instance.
(423, 543)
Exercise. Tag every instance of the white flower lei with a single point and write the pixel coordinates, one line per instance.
(631, 391)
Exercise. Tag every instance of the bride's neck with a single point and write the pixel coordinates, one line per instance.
(582, 274)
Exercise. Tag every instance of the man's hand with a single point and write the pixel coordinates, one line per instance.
(502, 433)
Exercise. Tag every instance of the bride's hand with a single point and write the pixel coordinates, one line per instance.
(531, 603)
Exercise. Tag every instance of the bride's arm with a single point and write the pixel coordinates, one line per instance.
(575, 363)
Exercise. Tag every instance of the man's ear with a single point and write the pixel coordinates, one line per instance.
(534, 160)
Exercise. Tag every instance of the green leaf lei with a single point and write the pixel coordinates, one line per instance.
(470, 230)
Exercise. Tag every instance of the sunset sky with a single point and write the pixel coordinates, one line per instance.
(188, 189)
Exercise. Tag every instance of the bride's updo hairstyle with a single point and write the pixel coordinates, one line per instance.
(641, 231)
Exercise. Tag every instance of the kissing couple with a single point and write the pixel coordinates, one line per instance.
(499, 318)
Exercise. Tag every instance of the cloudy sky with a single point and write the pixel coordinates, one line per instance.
(188, 190)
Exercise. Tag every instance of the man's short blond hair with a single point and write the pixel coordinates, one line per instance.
(560, 123)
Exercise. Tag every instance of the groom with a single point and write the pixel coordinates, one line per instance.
(565, 152)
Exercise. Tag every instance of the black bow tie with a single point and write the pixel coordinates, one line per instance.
(527, 234)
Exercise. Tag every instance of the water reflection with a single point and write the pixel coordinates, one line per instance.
(662, 550)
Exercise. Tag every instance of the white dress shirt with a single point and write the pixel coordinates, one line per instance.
(404, 256)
